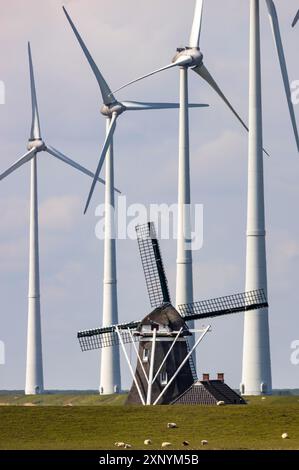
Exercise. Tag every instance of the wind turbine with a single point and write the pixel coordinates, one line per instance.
(110, 381)
(36, 145)
(185, 58)
(256, 375)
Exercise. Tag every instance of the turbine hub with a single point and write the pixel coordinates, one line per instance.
(109, 109)
(39, 144)
(193, 53)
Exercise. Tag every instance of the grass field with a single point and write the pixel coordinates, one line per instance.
(258, 425)
(61, 399)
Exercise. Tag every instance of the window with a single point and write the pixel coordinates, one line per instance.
(145, 355)
(163, 378)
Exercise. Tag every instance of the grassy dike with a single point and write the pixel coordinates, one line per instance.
(57, 425)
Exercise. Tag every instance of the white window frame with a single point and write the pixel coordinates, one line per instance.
(163, 378)
(145, 356)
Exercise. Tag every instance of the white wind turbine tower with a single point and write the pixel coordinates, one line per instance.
(185, 58)
(256, 375)
(110, 381)
(34, 364)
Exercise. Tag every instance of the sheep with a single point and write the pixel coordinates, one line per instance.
(166, 444)
(220, 403)
(185, 443)
(285, 435)
(147, 442)
(119, 444)
(204, 442)
(171, 425)
(128, 446)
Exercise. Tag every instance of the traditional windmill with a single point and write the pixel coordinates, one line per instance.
(165, 368)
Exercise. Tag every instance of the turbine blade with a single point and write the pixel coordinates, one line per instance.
(295, 19)
(107, 143)
(107, 95)
(24, 159)
(196, 26)
(35, 133)
(205, 74)
(181, 61)
(283, 66)
(138, 106)
(56, 153)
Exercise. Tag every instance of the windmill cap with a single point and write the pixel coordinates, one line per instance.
(165, 316)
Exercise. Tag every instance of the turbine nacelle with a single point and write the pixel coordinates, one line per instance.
(37, 144)
(193, 56)
(114, 108)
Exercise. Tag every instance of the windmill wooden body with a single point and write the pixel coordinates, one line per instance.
(163, 334)
(165, 368)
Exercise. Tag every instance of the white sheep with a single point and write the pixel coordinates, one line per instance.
(186, 443)
(147, 442)
(220, 403)
(119, 444)
(171, 425)
(285, 435)
(204, 442)
(128, 446)
(166, 444)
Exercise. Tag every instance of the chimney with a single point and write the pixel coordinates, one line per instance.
(205, 377)
(220, 376)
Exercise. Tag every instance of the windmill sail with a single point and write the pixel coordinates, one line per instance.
(105, 337)
(152, 263)
(251, 300)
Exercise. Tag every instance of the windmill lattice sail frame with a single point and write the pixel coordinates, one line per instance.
(152, 263)
(227, 305)
(99, 338)
(154, 272)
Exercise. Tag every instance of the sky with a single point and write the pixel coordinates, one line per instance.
(128, 38)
